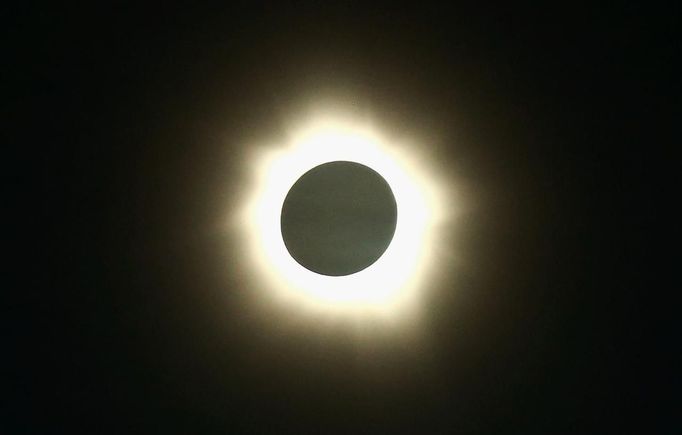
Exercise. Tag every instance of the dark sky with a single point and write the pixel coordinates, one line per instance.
(136, 121)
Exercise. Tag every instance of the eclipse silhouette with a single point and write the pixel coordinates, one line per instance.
(338, 218)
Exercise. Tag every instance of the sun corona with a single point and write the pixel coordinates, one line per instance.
(394, 280)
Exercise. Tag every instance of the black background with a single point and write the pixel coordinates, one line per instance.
(140, 321)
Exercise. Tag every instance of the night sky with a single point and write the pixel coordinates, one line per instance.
(137, 317)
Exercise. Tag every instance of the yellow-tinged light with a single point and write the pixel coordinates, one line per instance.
(394, 280)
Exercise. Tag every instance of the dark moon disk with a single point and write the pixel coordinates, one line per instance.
(338, 218)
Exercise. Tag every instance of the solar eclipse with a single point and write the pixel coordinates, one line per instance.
(303, 217)
(340, 218)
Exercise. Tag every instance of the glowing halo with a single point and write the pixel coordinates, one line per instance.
(390, 282)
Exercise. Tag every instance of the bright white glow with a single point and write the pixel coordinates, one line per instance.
(394, 279)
